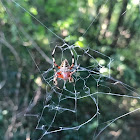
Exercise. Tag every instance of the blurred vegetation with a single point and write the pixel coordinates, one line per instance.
(115, 33)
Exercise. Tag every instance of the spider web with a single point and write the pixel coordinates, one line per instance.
(69, 100)
(72, 94)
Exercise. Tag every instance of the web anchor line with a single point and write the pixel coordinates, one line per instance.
(38, 21)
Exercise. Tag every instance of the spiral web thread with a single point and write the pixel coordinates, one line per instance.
(97, 73)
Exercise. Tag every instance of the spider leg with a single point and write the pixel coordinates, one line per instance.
(72, 60)
(70, 78)
(75, 70)
(55, 79)
(55, 76)
(54, 60)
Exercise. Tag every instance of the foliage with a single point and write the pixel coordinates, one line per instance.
(112, 33)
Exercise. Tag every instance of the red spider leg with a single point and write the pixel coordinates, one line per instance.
(54, 64)
(75, 70)
(54, 60)
(72, 60)
(55, 78)
(70, 78)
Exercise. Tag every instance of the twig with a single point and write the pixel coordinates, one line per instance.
(36, 46)
(4, 73)
(12, 49)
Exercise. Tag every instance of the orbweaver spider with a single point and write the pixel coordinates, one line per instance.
(64, 71)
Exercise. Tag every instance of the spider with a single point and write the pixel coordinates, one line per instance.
(64, 71)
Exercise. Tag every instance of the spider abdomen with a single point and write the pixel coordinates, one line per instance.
(64, 75)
